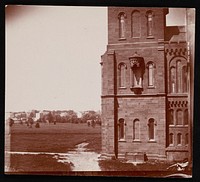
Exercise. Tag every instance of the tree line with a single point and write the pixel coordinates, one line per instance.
(70, 116)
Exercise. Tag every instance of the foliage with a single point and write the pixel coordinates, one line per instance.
(90, 115)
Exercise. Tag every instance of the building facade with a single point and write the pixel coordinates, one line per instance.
(145, 86)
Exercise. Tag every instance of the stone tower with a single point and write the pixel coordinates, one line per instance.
(144, 92)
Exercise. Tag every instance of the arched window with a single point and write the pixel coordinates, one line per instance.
(184, 79)
(178, 75)
(122, 74)
(151, 129)
(136, 24)
(186, 139)
(171, 139)
(172, 79)
(121, 129)
(186, 117)
(150, 67)
(179, 139)
(171, 117)
(179, 117)
(122, 28)
(149, 23)
(136, 129)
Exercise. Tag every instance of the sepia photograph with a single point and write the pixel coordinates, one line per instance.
(99, 91)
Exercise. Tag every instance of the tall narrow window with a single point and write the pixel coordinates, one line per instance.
(122, 74)
(186, 117)
(179, 117)
(171, 139)
(149, 23)
(150, 67)
(136, 24)
(136, 129)
(172, 79)
(151, 129)
(178, 75)
(171, 117)
(121, 129)
(184, 79)
(179, 139)
(186, 139)
(122, 27)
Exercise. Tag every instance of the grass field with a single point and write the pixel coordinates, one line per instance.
(59, 138)
(62, 138)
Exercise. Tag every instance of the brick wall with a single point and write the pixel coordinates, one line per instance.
(143, 108)
(113, 24)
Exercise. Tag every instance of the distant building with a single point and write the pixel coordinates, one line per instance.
(146, 86)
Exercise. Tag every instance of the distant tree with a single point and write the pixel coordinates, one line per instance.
(89, 115)
(71, 116)
(58, 118)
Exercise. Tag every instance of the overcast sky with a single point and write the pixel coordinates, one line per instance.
(53, 56)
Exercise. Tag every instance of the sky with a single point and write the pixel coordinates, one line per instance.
(53, 56)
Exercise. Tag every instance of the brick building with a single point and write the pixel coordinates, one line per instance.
(145, 86)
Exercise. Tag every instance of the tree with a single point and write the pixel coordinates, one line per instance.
(90, 115)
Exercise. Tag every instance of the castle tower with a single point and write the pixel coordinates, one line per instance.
(140, 86)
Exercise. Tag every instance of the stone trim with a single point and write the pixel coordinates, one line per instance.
(133, 95)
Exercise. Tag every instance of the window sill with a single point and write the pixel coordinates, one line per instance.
(152, 141)
(136, 37)
(122, 87)
(122, 38)
(150, 37)
(122, 140)
(136, 141)
(151, 87)
(178, 126)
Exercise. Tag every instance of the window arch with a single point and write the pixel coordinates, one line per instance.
(121, 129)
(122, 74)
(122, 26)
(149, 16)
(150, 67)
(186, 117)
(151, 128)
(179, 139)
(179, 117)
(178, 81)
(136, 129)
(136, 24)
(171, 139)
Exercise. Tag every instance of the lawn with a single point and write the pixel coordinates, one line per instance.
(59, 138)
(62, 138)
